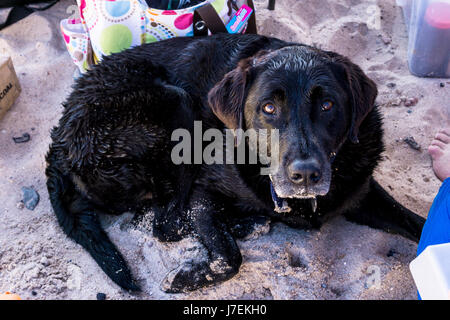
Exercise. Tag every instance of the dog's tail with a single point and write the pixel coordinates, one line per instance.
(78, 218)
(379, 210)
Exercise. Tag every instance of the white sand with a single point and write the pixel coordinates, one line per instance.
(36, 256)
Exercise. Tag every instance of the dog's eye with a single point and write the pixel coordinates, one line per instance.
(327, 105)
(269, 108)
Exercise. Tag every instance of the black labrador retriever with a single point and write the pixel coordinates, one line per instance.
(113, 148)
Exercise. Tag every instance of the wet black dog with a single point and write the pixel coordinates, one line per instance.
(111, 151)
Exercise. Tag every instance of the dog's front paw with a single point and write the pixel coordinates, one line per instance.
(187, 277)
(194, 275)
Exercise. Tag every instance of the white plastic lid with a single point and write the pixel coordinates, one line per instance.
(431, 272)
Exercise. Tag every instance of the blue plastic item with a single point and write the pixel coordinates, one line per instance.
(437, 226)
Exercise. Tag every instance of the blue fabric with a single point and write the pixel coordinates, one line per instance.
(437, 226)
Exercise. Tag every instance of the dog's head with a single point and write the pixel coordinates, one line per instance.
(316, 99)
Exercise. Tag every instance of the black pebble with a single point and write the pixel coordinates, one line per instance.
(410, 141)
(391, 85)
(24, 138)
(442, 84)
(34, 293)
(30, 198)
(101, 296)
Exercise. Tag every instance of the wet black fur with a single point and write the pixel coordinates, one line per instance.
(111, 153)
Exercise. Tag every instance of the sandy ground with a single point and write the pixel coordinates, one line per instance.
(341, 261)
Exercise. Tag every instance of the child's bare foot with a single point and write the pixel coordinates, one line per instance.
(439, 151)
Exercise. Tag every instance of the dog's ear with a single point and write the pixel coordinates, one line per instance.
(362, 90)
(226, 98)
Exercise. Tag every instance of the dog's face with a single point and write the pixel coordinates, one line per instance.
(315, 99)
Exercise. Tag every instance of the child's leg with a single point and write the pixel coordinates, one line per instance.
(437, 226)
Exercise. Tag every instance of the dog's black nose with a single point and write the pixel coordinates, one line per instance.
(304, 172)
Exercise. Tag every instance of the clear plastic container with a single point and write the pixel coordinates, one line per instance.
(429, 37)
(406, 6)
(431, 272)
